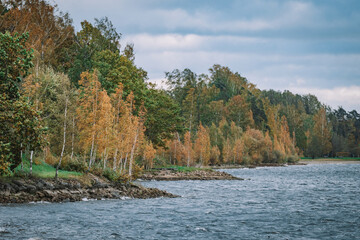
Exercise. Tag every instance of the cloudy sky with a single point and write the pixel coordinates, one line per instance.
(305, 46)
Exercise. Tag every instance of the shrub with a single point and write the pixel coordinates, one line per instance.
(246, 160)
(267, 156)
(137, 171)
(110, 174)
(278, 157)
(97, 170)
(292, 159)
(51, 159)
(75, 165)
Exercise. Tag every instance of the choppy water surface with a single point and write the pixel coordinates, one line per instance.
(297, 202)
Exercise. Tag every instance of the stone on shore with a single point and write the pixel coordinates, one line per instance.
(65, 190)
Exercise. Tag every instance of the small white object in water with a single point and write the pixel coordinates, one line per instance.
(200, 229)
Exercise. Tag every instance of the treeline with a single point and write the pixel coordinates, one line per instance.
(75, 99)
(78, 101)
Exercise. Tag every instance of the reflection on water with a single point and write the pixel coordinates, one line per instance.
(297, 202)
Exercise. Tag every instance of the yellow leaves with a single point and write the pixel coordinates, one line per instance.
(149, 155)
(202, 145)
(188, 149)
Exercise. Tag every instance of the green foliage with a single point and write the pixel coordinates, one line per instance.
(20, 125)
(163, 117)
(75, 165)
(14, 65)
(5, 158)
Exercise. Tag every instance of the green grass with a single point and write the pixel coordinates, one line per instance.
(44, 170)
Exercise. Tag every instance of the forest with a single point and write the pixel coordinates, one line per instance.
(77, 101)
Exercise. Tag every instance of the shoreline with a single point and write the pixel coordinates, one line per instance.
(32, 189)
(329, 161)
(169, 174)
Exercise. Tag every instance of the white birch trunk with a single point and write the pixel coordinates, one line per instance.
(64, 142)
(31, 161)
(114, 161)
(132, 153)
(73, 137)
(125, 162)
(21, 156)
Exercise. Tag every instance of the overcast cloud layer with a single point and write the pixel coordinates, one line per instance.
(304, 46)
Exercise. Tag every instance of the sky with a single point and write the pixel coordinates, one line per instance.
(305, 46)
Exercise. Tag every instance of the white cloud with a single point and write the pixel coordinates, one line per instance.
(188, 42)
(348, 97)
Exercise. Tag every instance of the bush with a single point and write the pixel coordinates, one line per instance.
(51, 159)
(267, 156)
(278, 157)
(21, 173)
(292, 159)
(110, 174)
(246, 160)
(137, 171)
(97, 170)
(75, 165)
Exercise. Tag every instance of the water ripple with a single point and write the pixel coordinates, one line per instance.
(297, 202)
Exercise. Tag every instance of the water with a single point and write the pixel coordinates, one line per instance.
(296, 202)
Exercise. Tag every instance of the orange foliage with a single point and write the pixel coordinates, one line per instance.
(202, 146)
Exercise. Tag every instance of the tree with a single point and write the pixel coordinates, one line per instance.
(50, 34)
(163, 118)
(14, 65)
(202, 146)
(188, 149)
(321, 138)
(93, 43)
(88, 113)
(238, 151)
(20, 124)
(149, 155)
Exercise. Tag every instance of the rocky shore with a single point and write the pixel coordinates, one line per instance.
(174, 175)
(70, 190)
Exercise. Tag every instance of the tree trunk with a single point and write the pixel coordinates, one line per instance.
(21, 156)
(121, 163)
(114, 161)
(64, 142)
(105, 157)
(72, 137)
(31, 161)
(125, 162)
(132, 153)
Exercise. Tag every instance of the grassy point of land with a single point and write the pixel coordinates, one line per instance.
(44, 170)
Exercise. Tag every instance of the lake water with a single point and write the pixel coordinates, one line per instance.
(296, 202)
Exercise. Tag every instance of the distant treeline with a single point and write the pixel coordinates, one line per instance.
(77, 100)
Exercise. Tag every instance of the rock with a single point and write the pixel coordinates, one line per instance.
(30, 188)
(27, 190)
(39, 186)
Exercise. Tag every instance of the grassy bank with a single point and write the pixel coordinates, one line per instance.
(43, 170)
